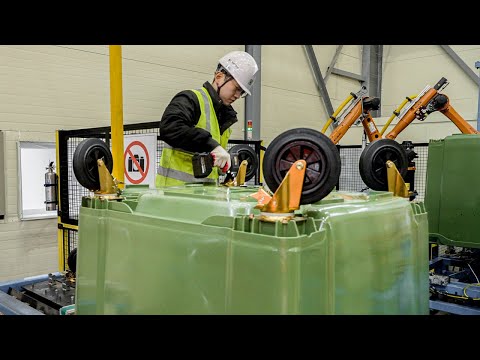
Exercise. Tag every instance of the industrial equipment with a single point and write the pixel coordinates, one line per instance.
(429, 100)
(372, 164)
(358, 110)
(381, 150)
(454, 282)
(45, 295)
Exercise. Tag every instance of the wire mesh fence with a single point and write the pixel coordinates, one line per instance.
(69, 242)
(421, 169)
(350, 179)
(70, 190)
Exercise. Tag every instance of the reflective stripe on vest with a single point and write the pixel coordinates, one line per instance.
(175, 163)
(180, 175)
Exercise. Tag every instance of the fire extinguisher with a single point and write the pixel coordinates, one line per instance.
(50, 188)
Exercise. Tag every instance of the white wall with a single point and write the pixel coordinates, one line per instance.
(290, 97)
(42, 89)
(409, 68)
(26, 247)
(45, 88)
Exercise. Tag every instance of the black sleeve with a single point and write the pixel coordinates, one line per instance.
(228, 117)
(177, 126)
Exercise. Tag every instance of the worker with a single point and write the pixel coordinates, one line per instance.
(200, 120)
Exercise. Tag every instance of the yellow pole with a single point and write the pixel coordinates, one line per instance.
(61, 248)
(116, 109)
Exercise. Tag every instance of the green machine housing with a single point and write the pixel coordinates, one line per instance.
(452, 196)
(201, 249)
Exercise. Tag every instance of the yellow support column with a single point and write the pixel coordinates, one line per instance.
(116, 108)
(61, 254)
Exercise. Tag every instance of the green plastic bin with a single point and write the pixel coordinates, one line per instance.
(452, 196)
(202, 250)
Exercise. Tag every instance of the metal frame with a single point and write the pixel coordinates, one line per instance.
(466, 69)
(372, 70)
(104, 133)
(366, 50)
(349, 75)
(367, 77)
(317, 75)
(333, 62)
(452, 308)
(253, 102)
(63, 167)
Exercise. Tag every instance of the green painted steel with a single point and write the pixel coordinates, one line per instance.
(452, 196)
(203, 250)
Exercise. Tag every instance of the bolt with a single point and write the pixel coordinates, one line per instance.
(299, 166)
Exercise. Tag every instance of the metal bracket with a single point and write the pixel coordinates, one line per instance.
(238, 180)
(396, 184)
(286, 199)
(242, 172)
(108, 184)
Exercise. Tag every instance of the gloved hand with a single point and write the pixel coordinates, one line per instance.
(221, 158)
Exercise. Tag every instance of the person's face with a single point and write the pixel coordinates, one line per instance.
(229, 92)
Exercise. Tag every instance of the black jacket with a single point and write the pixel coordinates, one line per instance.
(177, 126)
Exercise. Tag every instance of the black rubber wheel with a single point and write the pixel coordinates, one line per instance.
(372, 164)
(246, 152)
(85, 159)
(72, 260)
(320, 153)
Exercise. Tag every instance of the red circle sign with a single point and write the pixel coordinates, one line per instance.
(135, 164)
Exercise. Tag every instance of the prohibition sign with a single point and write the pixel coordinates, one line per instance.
(143, 172)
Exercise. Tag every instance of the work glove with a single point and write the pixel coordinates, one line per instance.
(221, 158)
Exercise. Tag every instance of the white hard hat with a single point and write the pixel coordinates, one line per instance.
(242, 66)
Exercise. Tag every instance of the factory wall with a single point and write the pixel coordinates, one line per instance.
(45, 88)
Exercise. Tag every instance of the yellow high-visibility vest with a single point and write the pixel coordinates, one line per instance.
(175, 164)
